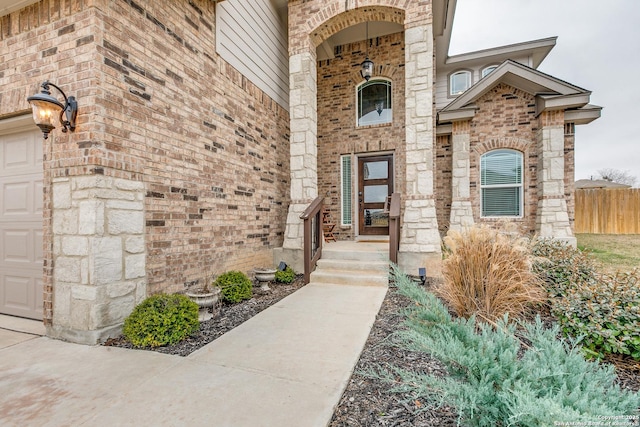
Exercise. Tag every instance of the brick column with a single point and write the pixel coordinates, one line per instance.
(304, 153)
(420, 239)
(461, 210)
(552, 219)
(98, 254)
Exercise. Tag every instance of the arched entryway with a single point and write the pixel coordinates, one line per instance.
(413, 154)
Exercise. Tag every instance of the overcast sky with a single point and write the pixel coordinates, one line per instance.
(598, 49)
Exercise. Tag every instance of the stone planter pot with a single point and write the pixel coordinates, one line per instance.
(264, 276)
(205, 301)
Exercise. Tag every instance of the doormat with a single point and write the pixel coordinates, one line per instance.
(372, 241)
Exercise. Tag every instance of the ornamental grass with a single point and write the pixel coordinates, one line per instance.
(487, 273)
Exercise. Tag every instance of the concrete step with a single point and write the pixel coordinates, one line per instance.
(345, 264)
(372, 254)
(350, 277)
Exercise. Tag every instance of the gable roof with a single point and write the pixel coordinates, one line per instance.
(551, 93)
(535, 50)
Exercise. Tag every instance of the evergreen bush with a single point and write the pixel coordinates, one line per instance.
(488, 273)
(161, 320)
(495, 380)
(235, 286)
(285, 276)
(602, 309)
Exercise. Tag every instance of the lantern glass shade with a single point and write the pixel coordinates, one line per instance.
(367, 69)
(46, 112)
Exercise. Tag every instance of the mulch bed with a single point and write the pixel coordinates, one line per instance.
(365, 402)
(369, 402)
(226, 317)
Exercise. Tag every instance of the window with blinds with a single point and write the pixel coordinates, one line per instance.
(345, 174)
(501, 183)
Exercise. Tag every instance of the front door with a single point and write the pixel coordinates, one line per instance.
(375, 184)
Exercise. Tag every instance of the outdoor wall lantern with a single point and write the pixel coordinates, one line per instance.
(366, 70)
(48, 112)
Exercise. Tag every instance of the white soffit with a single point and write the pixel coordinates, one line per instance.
(356, 33)
(8, 6)
(584, 115)
(537, 50)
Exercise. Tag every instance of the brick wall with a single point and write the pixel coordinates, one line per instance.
(52, 40)
(215, 147)
(157, 106)
(313, 21)
(570, 171)
(337, 131)
(443, 182)
(506, 119)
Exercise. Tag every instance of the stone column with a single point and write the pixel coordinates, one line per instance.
(98, 256)
(420, 239)
(461, 210)
(304, 153)
(552, 219)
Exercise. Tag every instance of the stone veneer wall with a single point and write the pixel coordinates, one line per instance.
(337, 108)
(310, 23)
(179, 167)
(56, 40)
(553, 213)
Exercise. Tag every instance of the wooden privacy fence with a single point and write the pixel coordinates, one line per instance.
(608, 211)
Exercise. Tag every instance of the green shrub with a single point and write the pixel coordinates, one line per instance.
(561, 266)
(492, 380)
(285, 276)
(235, 286)
(605, 313)
(488, 273)
(603, 310)
(161, 320)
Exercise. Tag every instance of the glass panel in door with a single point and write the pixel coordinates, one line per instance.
(374, 187)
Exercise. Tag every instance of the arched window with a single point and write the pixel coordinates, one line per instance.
(374, 102)
(488, 69)
(459, 82)
(501, 183)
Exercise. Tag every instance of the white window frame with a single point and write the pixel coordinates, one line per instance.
(390, 92)
(346, 199)
(487, 70)
(469, 82)
(519, 185)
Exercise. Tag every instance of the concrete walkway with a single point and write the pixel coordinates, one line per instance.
(287, 366)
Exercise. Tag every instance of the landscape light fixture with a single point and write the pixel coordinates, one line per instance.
(48, 112)
(367, 65)
(422, 273)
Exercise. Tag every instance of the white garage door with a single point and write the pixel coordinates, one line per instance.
(21, 224)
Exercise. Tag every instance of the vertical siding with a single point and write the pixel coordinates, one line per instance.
(251, 37)
(608, 211)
